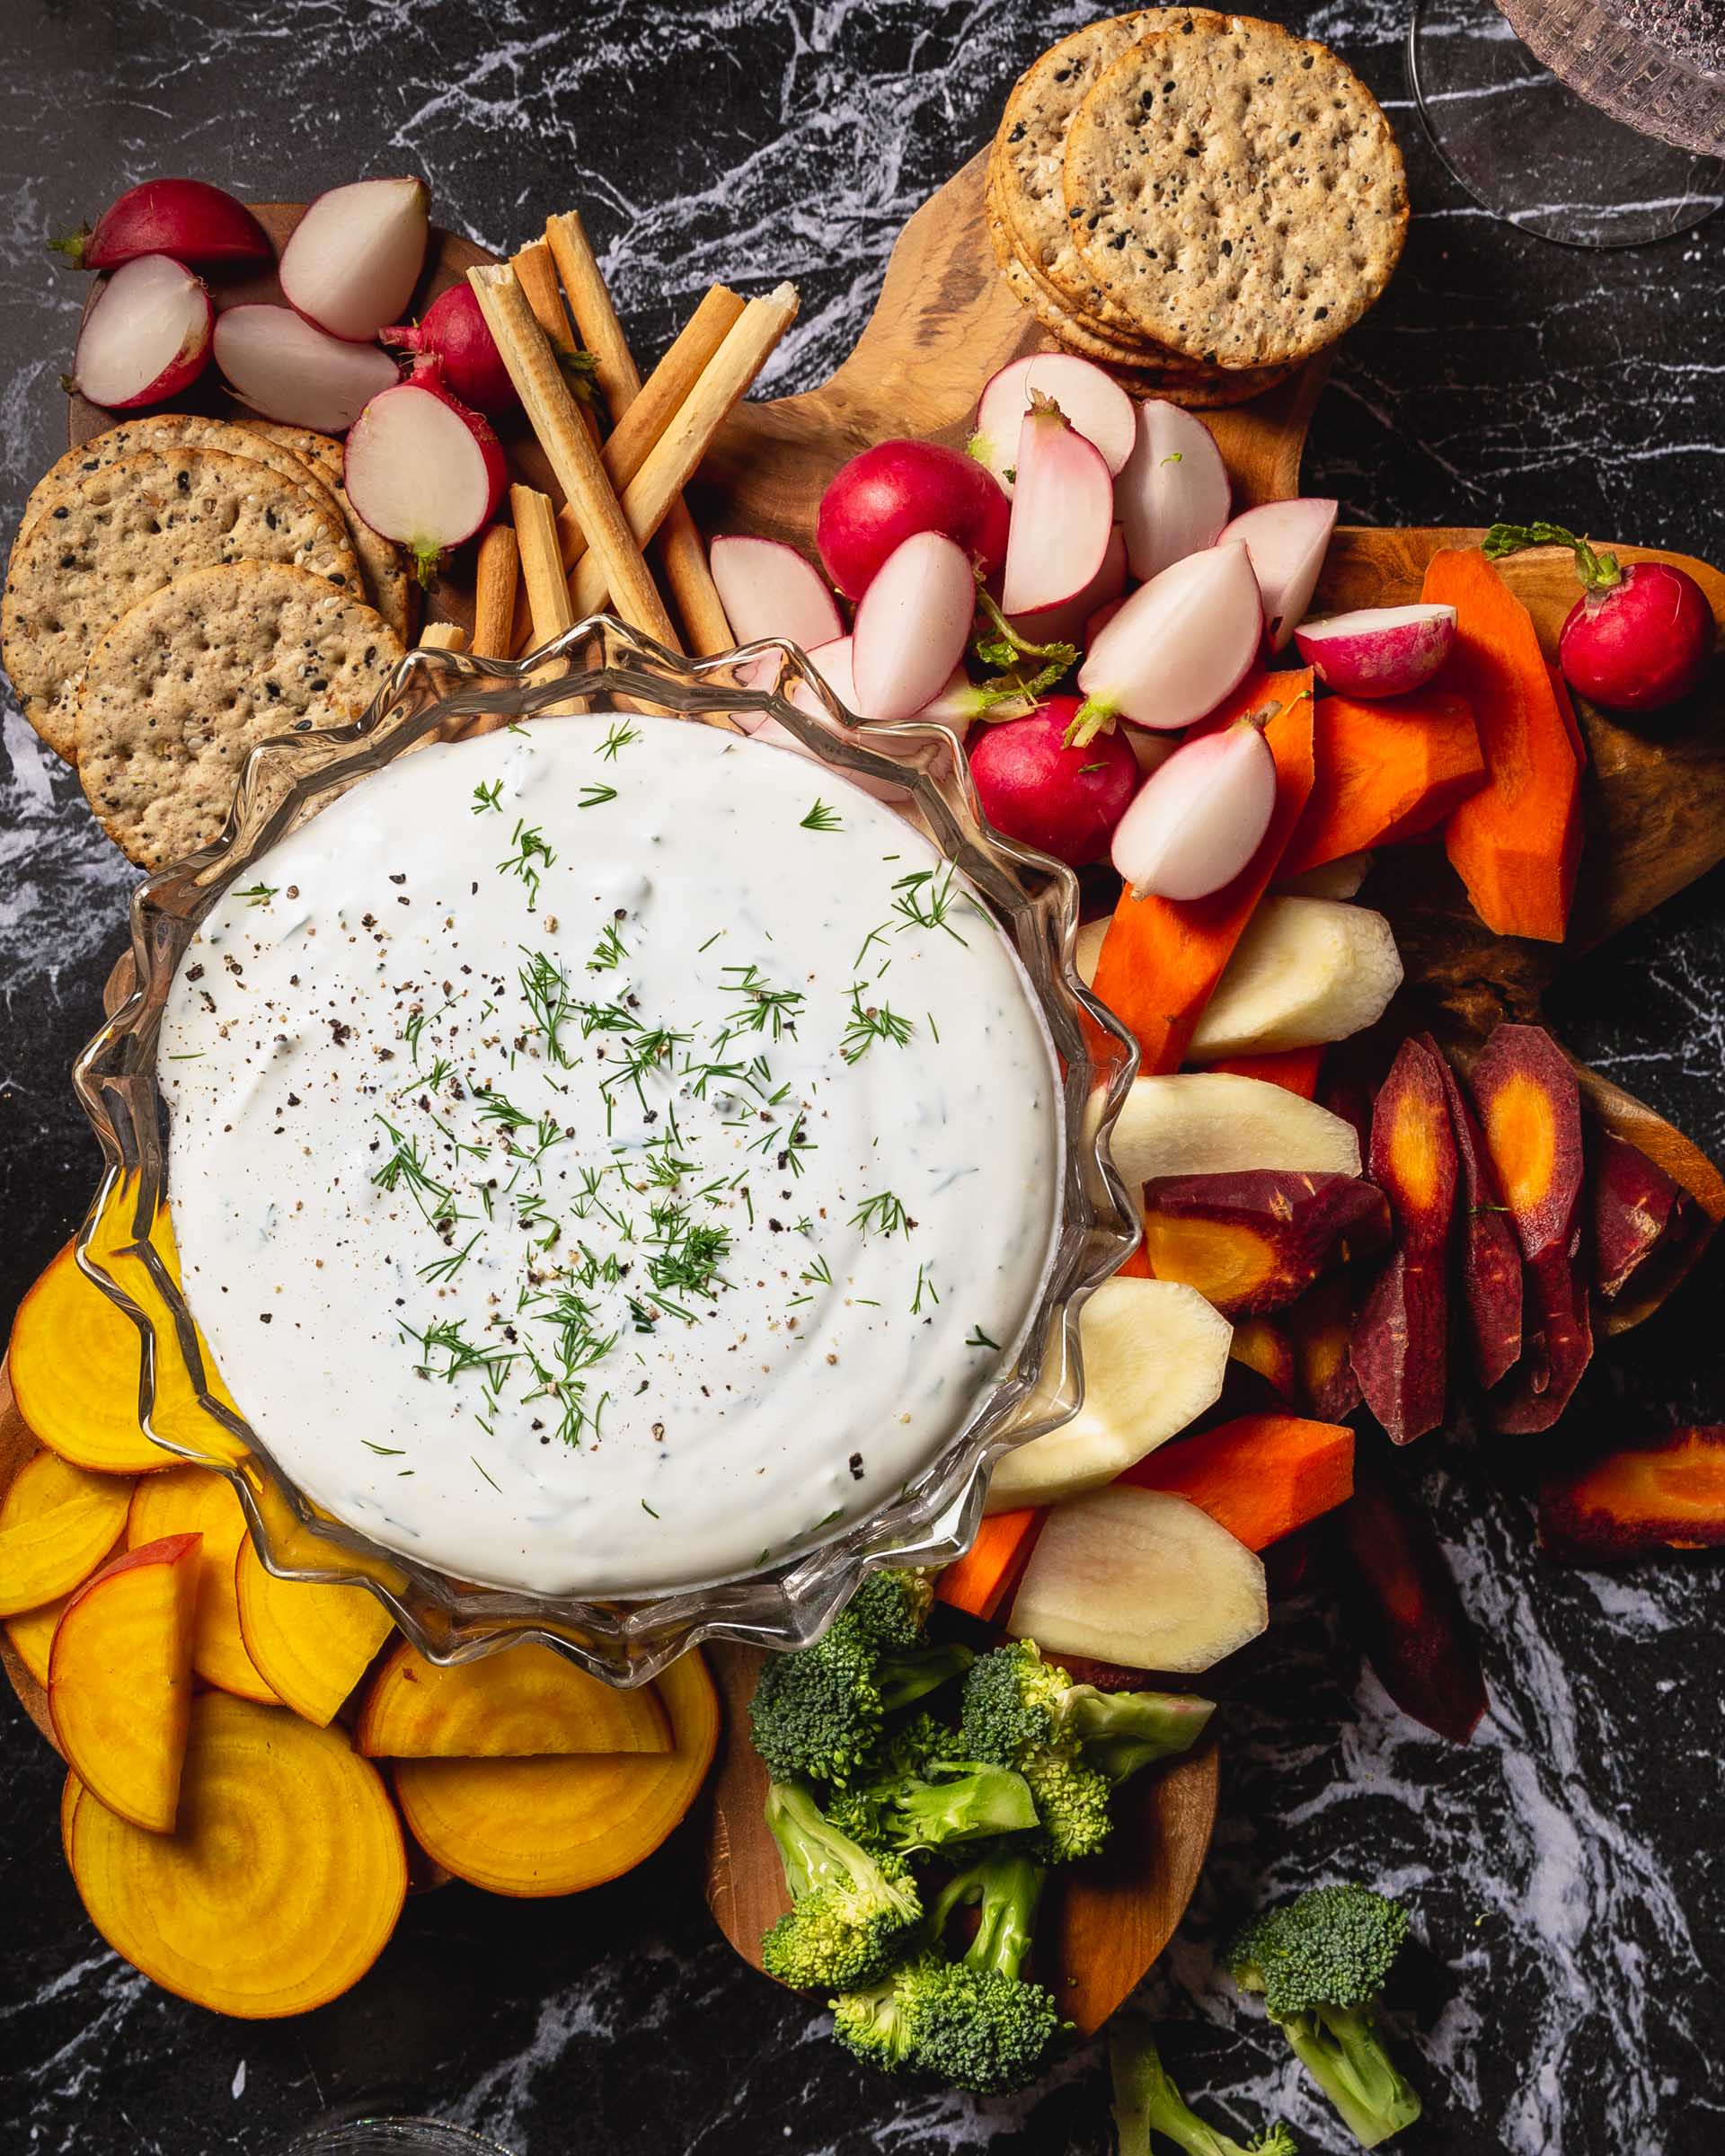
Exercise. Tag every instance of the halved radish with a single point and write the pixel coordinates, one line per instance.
(1095, 403)
(1063, 512)
(454, 329)
(887, 494)
(768, 589)
(1095, 623)
(421, 469)
(1198, 821)
(146, 337)
(1288, 541)
(353, 259)
(280, 365)
(1178, 646)
(1377, 650)
(188, 220)
(912, 626)
(1066, 624)
(1172, 496)
(833, 663)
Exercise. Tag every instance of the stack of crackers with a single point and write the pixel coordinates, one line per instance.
(1199, 202)
(181, 589)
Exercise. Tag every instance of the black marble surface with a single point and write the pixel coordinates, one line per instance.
(1565, 1868)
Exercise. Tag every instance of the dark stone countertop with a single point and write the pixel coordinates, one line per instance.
(1564, 1868)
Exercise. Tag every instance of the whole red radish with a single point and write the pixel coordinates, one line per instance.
(1639, 638)
(1199, 819)
(1061, 800)
(146, 336)
(421, 469)
(188, 220)
(454, 328)
(897, 488)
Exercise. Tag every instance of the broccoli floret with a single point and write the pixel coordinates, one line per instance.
(978, 2024)
(1147, 2102)
(1320, 1962)
(854, 1911)
(892, 1607)
(877, 2025)
(821, 1710)
(1121, 1731)
(952, 1800)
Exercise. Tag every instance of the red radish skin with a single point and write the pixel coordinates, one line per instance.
(1178, 646)
(421, 469)
(284, 367)
(146, 336)
(1094, 403)
(1288, 541)
(352, 262)
(1036, 788)
(1197, 822)
(768, 589)
(1172, 496)
(912, 626)
(1377, 650)
(189, 220)
(889, 493)
(454, 328)
(1063, 513)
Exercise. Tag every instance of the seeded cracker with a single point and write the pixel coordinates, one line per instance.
(195, 675)
(164, 430)
(388, 580)
(124, 532)
(1236, 190)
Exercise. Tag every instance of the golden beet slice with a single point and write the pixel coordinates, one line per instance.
(525, 1702)
(283, 1879)
(310, 1640)
(74, 1360)
(197, 1500)
(544, 1827)
(31, 1634)
(56, 1524)
(120, 1680)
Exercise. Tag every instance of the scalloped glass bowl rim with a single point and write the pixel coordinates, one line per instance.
(433, 695)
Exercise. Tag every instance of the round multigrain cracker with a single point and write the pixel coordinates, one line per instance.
(1026, 162)
(1236, 189)
(162, 430)
(184, 685)
(1051, 308)
(125, 531)
(387, 580)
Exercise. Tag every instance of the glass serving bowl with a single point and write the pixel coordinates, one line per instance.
(126, 1244)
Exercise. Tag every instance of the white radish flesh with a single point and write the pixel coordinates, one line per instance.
(1063, 512)
(835, 665)
(912, 625)
(1172, 496)
(1155, 1355)
(147, 335)
(1195, 823)
(1219, 1123)
(1179, 644)
(1067, 624)
(352, 261)
(768, 589)
(422, 470)
(1141, 1578)
(1377, 650)
(1288, 541)
(1095, 403)
(283, 367)
(1306, 971)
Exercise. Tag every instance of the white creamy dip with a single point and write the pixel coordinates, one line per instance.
(607, 1155)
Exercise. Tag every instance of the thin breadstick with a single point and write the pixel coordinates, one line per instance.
(542, 572)
(443, 636)
(538, 275)
(555, 418)
(499, 570)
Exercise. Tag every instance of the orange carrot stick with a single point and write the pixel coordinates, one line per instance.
(1295, 1070)
(1161, 958)
(1261, 1477)
(1385, 771)
(1515, 842)
(985, 1575)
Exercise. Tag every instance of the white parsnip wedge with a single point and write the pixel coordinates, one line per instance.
(1087, 947)
(1143, 1578)
(1155, 1355)
(1338, 878)
(1218, 1122)
(1306, 971)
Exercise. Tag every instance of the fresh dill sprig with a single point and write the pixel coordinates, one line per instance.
(870, 1023)
(883, 1215)
(765, 1009)
(608, 951)
(926, 899)
(531, 852)
(619, 738)
(596, 797)
(259, 894)
(489, 797)
(924, 1286)
(977, 1338)
(545, 989)
(822, 817)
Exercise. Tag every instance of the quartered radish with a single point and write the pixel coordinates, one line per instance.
(1377, 650)
(889, 493)
(768, 589)
(188, 220)
(1066, 624)
(284, 367)
(455, 330)
(1039, 790)
(1288, 541)
(1095, 623)
(1094, 403)
(1199, 820)
(912, 626)
(421, 469)
(146, 337)
(1063, 512)
(353, 259)
(833, 663)
(1172, 495)
(1178, 646)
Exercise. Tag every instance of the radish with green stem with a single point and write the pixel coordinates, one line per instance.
(421, 469)
(352, 262)
(1177, 647)
(912, 626)
(1639, 638)
(284, 367)
(454, 329)
(1173, 494)
(146, 336)
(1377, 650)
(1288, 541)
(1037, 789)
(1196, 821)
(188, 220)
(1063, 513)
(889, 493)
(1094, 403)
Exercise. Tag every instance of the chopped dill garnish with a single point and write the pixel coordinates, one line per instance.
(530, 850)
(822, 817)
(924, 900)
(883, 1215)
(978, 1338)
(870, 1023)
(608, 951)
(489, 797)
(619, 738)
(924, 1286)
(259, 894)
(596, 797)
